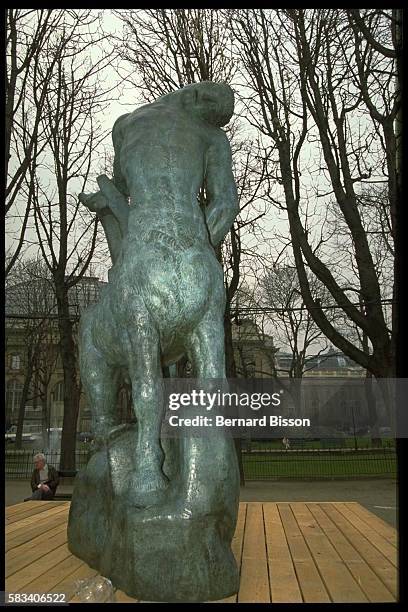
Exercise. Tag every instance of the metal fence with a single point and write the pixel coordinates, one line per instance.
(314, 464)
(261, 463)
(327, 444)
(19, 464)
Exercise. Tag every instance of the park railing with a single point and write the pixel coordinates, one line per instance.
(319, 463)
(263, 461)
(19, 464)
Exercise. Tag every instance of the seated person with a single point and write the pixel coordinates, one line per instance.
(44, 480)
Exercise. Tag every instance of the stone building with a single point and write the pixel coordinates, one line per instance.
(323, 394)
(255, 355)
(254, 350)
(34, 340)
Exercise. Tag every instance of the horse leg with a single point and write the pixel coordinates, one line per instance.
(145, 373)
(100, 381)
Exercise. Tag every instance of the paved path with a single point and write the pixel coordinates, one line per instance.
(379, 496)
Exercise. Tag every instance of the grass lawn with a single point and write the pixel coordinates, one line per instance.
(37, 446)
(308, 465)
(322, 443)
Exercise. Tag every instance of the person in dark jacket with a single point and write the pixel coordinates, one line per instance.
(44, 479)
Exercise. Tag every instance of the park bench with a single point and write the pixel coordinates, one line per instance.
(63, 475)
(67, 477)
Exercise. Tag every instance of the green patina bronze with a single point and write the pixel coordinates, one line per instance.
(157, 516)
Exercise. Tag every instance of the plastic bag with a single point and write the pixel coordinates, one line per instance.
(95, 590)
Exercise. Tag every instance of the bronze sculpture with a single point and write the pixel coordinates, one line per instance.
(159, 521)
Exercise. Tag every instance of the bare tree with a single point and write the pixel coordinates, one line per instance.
(30, 305)
(291, 322)
(378, 49)
(27, 34)
(171, 48)
(280, 321)
(305, 101)
(67, 233)
(174, 47)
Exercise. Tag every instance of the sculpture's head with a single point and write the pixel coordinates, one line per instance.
(212, 102)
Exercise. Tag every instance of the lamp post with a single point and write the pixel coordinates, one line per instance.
(354, 424)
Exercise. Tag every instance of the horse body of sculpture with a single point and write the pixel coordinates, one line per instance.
(165, 298)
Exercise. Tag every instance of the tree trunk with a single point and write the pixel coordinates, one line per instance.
(45, 420)
(295, 388)
(23, 401)
(388, 391)
(372, 410)
(71, 386)
(230, 370)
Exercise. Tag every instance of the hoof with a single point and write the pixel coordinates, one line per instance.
(146, 490)
(145, 499)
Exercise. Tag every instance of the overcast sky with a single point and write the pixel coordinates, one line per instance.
(274, 222)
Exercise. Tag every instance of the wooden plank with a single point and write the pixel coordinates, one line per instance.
(311, 585)
(54, 575)
(373, 557)
(236, 546)
(69, 584)
(375, 522)
(34, 519)
(25, 538)
(287, 552)
(339, 581)
(30, 509)
(369, 582)
(121, 597)
(254, 585)
(31, 544)
(27, 534)
(12, 530)
(21, 507)
(19, 580)
(27, 546)
(238, 539)
(39, 508)
(26, 557)
(388, 550)
(282, 576)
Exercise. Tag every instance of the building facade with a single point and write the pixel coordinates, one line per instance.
(32, 351)
(35, 342)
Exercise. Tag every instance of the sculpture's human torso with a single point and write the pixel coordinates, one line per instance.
(157, 515)
(167, 269)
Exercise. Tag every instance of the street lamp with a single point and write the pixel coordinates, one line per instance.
(354, 423)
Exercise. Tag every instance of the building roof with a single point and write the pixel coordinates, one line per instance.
(331, 360)
(37, 297)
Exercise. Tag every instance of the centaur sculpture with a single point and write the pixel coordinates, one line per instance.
(158, 518)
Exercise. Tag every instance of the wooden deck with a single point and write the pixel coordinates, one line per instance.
(287, 552)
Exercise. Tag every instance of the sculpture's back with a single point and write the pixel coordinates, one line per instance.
(160, 524)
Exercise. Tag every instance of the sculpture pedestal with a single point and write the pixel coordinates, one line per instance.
(162, 553)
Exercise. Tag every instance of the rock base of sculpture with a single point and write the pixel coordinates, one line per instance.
(150, 554)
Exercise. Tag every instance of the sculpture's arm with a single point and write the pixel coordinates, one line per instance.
(97, 203)
(116, 201)
(222, 207)
(113, 235)
(110, 203)
(117, 139)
